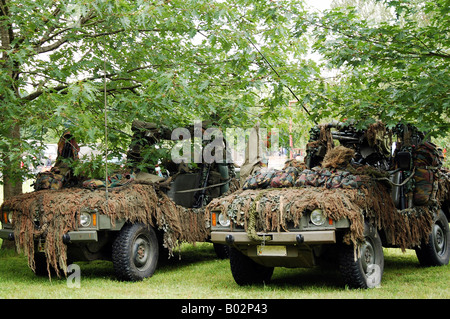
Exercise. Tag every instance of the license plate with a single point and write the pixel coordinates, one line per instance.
(270, 250)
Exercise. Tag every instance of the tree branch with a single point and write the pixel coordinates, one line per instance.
(81, 22)
(51, 47)
(36, 94)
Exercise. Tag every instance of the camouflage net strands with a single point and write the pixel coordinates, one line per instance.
(57, 213)
(266, 210)
(443, 187)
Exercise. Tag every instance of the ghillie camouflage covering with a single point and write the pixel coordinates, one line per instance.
(342, 189)
(271, 209)
(133, 202)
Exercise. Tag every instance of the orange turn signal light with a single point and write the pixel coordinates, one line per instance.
(214, 219)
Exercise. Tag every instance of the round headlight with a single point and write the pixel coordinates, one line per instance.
(223, 220)
(10, 217)
(85, 219)
(317, 217)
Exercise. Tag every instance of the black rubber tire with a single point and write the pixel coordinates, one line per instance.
(222, 251)
(366, 270)
(135, 252)
(40, 265)
(247, 272)
(436, 252)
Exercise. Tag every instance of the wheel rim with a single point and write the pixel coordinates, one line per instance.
(369, 263)
(141, 252)
(367, 257)
(439, 240)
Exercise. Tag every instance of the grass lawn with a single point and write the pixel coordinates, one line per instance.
(196, 273)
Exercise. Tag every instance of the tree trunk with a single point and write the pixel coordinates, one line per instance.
(12, 184)
(12, 181)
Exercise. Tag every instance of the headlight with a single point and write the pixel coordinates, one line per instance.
(223, 220)
(10, 218)
(85, 219)
(317, 217)
(6, 218)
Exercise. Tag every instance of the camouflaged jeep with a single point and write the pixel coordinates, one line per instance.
(358, 190)
(133, 218)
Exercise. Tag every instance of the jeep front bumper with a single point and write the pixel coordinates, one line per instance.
(69, 237)
(6, 234)
(304, 237)
(284, 249)
(81, 235)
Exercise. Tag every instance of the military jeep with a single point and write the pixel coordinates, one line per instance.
(357, 191)
(133, 217)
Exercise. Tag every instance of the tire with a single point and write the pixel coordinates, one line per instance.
(366, 270)
(222, 251)
(436, 252)
(135, 252)
(247, 272)
(40, 264)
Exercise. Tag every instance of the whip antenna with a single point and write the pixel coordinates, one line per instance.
(106, 121)
(275, 71)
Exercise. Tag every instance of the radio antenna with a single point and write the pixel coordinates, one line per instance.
(275, 71)
(106, 120)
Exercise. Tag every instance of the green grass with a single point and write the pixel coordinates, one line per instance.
(199, 275)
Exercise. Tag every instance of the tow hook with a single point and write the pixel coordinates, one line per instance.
(66, 239)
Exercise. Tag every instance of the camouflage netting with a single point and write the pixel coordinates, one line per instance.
(134, 202)
(357, 193)
(443, 187)
(273, 208)
(270, 200)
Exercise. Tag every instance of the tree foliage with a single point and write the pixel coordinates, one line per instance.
(94, 66)
(391, 70)
(165, 61)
